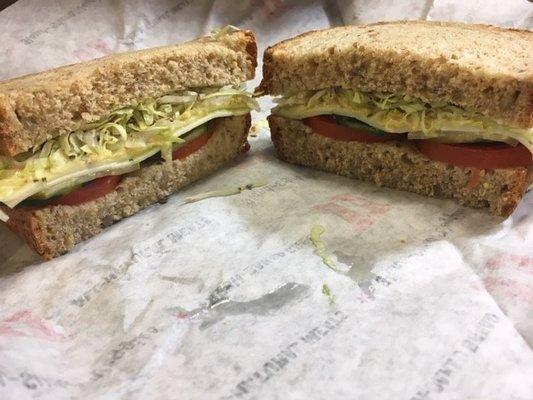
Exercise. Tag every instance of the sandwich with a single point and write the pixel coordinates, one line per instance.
(86, 145)
(439, 109)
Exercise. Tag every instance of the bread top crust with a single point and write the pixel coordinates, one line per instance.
(479, 67)
(37, 107)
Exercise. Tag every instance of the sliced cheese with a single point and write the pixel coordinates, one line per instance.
(397, 114)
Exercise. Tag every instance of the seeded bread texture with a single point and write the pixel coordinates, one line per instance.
(37, 107)
(54, 230)
(399, 165)
(478, 67)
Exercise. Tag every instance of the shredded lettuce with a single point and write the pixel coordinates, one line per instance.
(117, 143)
(217, 33)
(320, 247)
(224, 192)
(328, 293)
(399, 114)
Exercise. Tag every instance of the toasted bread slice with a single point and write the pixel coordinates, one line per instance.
(54, 230)
(398, 165)
(37, 107)
(481, 68)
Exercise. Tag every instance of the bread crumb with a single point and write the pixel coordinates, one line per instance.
(257, 127)
(253, 131)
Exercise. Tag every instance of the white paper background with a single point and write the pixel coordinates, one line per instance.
(222, 299)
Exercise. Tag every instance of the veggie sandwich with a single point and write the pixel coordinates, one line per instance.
(86, 145)
(439, 109)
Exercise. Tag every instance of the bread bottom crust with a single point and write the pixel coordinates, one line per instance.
(399, 165)
(54, 230)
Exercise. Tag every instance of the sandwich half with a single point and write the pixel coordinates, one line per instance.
(83, 146)
(439, 109)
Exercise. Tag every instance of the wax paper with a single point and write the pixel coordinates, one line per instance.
(227, 298)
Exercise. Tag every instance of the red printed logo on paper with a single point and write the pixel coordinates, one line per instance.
(505, 274)
(509, 287)
(182, 315)
(358, 211)
(26, 323)
(507, 260)
(97, 48)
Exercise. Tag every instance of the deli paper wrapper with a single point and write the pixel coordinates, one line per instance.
(223, 298)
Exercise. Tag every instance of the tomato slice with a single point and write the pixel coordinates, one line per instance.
(327, 126)
(193, 145)
(91, 191)
(483, 156)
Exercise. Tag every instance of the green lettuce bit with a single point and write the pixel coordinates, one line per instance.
(320, 247)
(328, 293)
(117, 143)
(399, 114)
(218, 33)
(224, 192)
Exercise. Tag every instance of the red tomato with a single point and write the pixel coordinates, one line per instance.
(91, 191)
(483, 156)
(193, 145)
(327, 126)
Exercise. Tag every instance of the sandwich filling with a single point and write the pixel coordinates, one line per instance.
(118, 142)
(395, 114)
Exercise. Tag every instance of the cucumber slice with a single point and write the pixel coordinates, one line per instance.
(356, 124)
(198, 131)
(50, 195)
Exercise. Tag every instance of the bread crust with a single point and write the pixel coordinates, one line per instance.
(37, 107)
(399, 165)
(482, 68)
(54, 230)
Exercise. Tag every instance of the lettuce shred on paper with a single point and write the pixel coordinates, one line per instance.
(320, 247)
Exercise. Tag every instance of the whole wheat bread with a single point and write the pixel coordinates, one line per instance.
(398, 165)
(37, 107)
(54, 230)
(479, 67)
